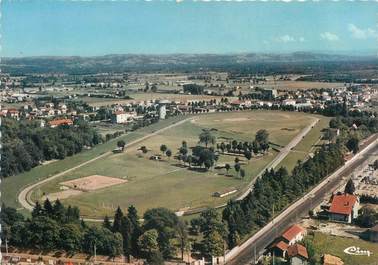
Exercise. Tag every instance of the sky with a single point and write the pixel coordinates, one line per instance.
(91, 28)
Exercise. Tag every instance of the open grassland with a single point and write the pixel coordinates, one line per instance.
(308, 144)
(11, 186)
(335, 245)
(169, 184)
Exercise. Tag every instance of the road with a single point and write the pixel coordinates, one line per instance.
(245, 254)
(24, 196)
(281, 156)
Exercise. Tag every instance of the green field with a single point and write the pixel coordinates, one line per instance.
(335, 245)
(166, 183)
(11, 186)
(307, 145)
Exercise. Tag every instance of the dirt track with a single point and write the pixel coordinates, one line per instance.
(24, 196)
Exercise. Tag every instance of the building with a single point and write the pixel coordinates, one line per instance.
(269, 93)
(373, 234)
(331, 260)
(56, 123)
(122, 117)
(292, 235)
(344, 208)
(225, 193)
(162, 112)
(297, 254)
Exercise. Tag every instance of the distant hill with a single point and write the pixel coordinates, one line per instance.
(173, 62)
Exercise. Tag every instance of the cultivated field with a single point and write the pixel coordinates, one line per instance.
(168, 183)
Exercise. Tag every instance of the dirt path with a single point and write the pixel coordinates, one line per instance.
(24, 197)
(281, 155)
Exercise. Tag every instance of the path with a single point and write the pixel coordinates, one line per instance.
(24, 196)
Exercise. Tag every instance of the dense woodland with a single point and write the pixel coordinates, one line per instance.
(26, 144)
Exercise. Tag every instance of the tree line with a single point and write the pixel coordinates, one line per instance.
(26, 144)
(275, 190)
(54, 227)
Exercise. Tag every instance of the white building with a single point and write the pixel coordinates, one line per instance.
(162, 112)
(123, 117)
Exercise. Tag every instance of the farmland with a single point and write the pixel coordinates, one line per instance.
(170, 184)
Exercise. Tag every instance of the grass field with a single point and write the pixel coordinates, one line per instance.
(12, 186)
(167, 183)
(334, 245)
(307, 145)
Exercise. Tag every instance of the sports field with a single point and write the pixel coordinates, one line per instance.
(167, 183)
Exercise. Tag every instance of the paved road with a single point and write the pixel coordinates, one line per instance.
(245, 254)
(24, 196)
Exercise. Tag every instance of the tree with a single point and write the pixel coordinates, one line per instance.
(242, 173)
(237, 168)
(248, 155)
(367, 217)
(155, 258)
(70, 238)
(132, 214)
(213, 244)
(148, 242)
(182, 235)
(59, 212)
(353, 145)
(168, 153)
(121, 144)
(117, 220)
(144, 149)
(48, 208)
(227, 167)
(349, 187)
(206, 137)
(165, 222)
(163, 148)
(107, 224)
(37, 210)
(44, 233)
(262, 136)
(183, 150)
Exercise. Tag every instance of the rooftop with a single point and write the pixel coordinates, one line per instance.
(292, 232)
(297, 250)
(343, 204)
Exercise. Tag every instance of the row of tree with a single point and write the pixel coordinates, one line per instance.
(277, 189)
(55, 227)
(26, 144)
(258, 145)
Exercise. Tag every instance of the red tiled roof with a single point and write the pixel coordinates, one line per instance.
(281, 245)
(292, 232)
(297, 250)
(343, 204)
(60, 122)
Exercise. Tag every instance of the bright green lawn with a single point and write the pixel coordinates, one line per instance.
(153, 184)
(335, 245)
